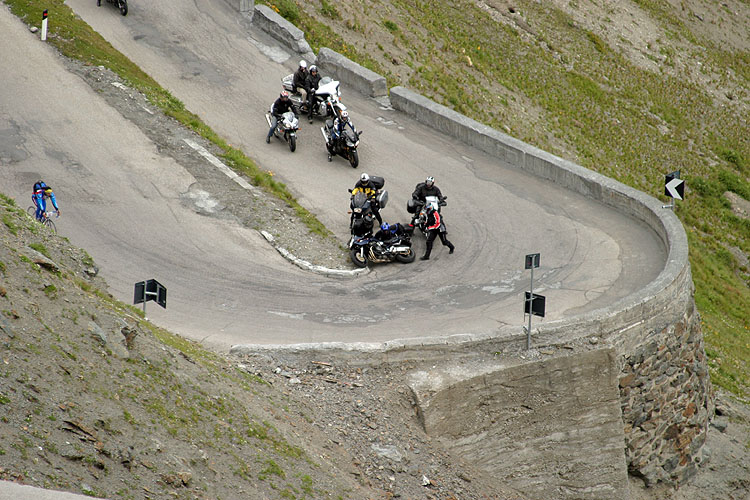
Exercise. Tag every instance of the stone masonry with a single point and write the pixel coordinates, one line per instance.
(666, 400)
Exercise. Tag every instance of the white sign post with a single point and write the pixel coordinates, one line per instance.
(44, 25)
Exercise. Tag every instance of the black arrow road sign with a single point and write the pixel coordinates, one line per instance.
(674, 187)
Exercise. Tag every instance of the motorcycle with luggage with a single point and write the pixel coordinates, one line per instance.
(361, 209)
(327, 100)
(418, 209)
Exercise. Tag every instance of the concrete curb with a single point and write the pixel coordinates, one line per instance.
(282, 30)
(303, 264)
(358, 77)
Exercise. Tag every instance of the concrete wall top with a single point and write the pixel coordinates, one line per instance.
(282, 30)
(360, 78)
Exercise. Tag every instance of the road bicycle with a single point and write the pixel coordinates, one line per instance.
(46, 218)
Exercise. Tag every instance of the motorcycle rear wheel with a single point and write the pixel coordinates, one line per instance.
(292, 143)
(354, 159)
(123, 4)
(408, 258)
(358, 257)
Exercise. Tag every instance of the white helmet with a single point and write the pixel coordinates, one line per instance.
(313, 68)
(364, 178)
(429, 181)
(302, 64)
(345, 115)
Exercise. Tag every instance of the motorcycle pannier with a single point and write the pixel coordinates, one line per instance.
(412, 205)
(378, 182)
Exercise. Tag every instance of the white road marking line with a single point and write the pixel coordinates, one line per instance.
(218, 164)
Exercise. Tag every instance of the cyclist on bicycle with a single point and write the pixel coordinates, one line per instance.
(39, 196)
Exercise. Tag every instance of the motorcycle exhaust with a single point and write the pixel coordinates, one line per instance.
(268, 119)
(322, 131)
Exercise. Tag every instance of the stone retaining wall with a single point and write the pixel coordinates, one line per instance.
(666, 402)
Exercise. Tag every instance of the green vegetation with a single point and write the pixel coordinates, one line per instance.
(12, 227)
(329, 10)
(40, 248)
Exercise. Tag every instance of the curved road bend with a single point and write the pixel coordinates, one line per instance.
(122, 199)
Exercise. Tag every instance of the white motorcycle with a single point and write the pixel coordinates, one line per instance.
(327, 98)
(286, 128)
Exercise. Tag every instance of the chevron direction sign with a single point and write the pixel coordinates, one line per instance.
(674, 187)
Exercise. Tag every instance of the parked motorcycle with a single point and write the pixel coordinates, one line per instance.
(327, 97)
(368, 248)
(361, 221)
(121, 4)
(419, 211)
(286, 128)
(345, 145)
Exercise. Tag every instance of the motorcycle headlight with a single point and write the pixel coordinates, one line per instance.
(357, 210)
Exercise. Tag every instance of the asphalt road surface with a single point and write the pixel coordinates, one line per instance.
(121, 198)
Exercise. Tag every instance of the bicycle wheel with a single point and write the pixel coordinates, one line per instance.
(31, 211)
(51, 225)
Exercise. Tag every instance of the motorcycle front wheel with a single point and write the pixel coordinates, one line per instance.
(406, 258)
(292, 143)
(123, 4)
(354, 159)
(358, 257)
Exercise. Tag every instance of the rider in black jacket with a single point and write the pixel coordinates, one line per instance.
(278, 108)
(311, 83)
(425, 189)
(299, 81)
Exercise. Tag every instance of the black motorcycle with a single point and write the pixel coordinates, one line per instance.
(345, 145)
(418, 209)
(121, 4)
(369, 248)
(361, 209)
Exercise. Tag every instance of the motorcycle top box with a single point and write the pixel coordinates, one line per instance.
(378, 182)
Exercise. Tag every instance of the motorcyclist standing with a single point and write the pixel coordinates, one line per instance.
(311, 85)
(365, 185)
(435, 228)
(339, 124)
(278, 108)
(299, 81)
